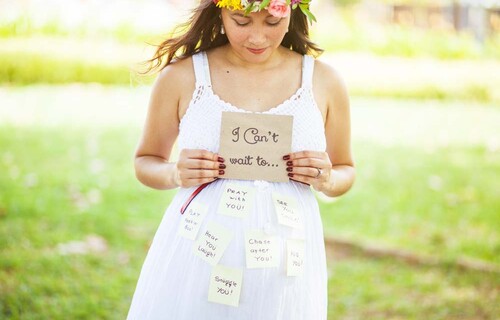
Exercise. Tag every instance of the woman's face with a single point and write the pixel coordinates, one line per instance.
(254, 37)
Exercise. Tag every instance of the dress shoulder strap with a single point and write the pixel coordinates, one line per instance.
(200, 63)
(307, 71)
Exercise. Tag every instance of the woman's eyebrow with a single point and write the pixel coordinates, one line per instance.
(239, 15)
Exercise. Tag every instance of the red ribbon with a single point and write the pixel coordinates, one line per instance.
(194, 194)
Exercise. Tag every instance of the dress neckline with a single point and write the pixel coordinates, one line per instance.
(231, 106)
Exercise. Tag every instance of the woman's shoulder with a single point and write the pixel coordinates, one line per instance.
(179, 73)
(174, 85)
(327, 74)
(328, 81)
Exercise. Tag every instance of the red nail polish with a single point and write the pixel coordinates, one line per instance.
(287, 157)
(290, 174)
(289, 169)
(289, 163)
(221, 171)
(222, 166)
(220, 159)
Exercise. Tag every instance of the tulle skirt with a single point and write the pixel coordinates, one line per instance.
(174, 281)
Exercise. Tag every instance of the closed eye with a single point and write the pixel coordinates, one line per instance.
(274, 24)
(241, 23)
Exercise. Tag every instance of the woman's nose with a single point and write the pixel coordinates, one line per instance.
(257, 37)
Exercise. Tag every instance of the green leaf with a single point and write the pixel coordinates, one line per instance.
(249, 8)
(305, 9)
(264, 4)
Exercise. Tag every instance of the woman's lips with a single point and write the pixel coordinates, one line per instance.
(256, 51)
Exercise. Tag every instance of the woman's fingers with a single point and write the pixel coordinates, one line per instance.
(309, 167)
(305, 154)
(193, 173)
(197, 166)
(306, 162)
(199, 154)
(304, 171)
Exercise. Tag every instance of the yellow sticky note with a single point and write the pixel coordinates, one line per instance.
(287, 210)
(295, 254)
(236, 201)
(212, 243)
(262, 250)
(192, 219)
(225, 285)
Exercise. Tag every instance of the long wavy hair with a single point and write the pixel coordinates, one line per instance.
(203, 33)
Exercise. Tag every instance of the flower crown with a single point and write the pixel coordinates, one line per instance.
(278, 8)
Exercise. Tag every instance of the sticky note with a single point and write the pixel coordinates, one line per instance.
(236, 201)
(191, 220)
(225, 285)
(212, 243)
(287, 210)
(295, 254)
(262, 250)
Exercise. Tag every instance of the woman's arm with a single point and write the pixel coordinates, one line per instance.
(337, 162)
(160, 131)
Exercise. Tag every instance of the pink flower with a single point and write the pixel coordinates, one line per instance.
(278, 8)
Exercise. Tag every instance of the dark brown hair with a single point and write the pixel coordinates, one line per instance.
(203, 33)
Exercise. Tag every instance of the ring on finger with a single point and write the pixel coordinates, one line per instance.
(320, 172)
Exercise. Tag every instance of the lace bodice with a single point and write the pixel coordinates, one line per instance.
(200, 126)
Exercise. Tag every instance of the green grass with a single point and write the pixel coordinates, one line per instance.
(341, 30)
(26, 68)
(409, 42)
(385, 290)
(439, 202)
(32, 60)
(345, 31)
(41, 60)
(67, 173)
(51, 199)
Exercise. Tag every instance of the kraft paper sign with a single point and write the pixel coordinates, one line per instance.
(225, 285)
(212, 243)
(192, 219)
(253, 145)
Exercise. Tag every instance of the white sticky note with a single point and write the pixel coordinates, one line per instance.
(212, 243)
(295, 255)
(225, 285)
(262, 250)
(287, 210)
(236, 201)
(192, 219)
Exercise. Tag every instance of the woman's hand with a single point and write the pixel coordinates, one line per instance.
(196, 167)
(309, 167)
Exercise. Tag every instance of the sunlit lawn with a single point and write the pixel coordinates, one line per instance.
(53, 60)
(426, 182)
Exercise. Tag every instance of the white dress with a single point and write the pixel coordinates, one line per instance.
(174, 282)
